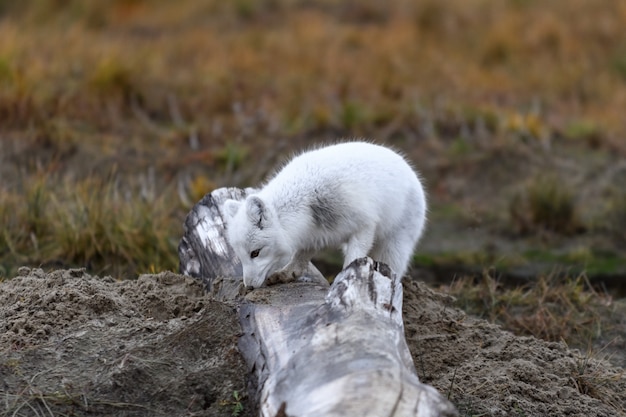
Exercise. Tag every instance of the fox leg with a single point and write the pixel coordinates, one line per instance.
(358, 246)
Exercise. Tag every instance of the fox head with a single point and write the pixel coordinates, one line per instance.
(257, 238)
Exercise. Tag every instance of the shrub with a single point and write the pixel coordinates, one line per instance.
(547, 204)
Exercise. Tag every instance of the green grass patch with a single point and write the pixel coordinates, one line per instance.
(593, 262)
(584, 130)
(460, 259)
(578, 260)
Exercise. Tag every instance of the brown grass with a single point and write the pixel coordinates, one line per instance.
(553, 307)
(197, 91)
(547, 204)
(293, 61)
(100, 224)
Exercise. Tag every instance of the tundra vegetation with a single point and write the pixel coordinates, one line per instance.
(117, 116)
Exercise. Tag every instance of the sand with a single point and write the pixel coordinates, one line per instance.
(76, 344)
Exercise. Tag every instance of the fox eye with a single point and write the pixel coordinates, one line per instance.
(255, 253)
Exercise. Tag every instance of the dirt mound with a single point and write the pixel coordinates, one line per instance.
(82, 345)
(487, 371)
(76, 344)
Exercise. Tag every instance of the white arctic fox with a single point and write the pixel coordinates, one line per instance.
(362, 197)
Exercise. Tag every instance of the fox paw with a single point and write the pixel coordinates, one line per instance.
(282, 277)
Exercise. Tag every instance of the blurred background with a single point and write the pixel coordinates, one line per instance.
(117, 116)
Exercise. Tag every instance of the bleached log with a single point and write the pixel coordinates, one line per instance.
(335, 353)
(314, 351)
(203, 250)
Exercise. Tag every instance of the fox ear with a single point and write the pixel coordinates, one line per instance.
(257, 211)
(231, 207)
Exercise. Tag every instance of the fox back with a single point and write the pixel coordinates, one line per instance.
(362, 197)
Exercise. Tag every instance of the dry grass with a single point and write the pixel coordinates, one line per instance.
(35, 402)
(546, 205)
(194, 90)
(596, 382)
(556, 309)
(294, 62)
(97, 223)
(553, 308)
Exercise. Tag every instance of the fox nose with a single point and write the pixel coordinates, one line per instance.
(251, 282)
(254, 282)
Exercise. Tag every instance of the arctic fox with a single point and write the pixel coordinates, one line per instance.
(362, 197)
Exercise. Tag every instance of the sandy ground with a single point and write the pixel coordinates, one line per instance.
(75, 344)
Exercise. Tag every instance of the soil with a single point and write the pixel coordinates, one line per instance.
(73, 344)
(76, 344)
(487, 371)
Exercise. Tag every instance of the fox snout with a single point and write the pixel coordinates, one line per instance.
(254, 281)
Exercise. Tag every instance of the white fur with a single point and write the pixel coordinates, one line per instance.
(362, 197)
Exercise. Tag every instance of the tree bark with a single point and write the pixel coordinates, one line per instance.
(311, 350)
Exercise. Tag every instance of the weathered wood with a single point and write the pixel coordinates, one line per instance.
(313, 351)
(203, 250)
(335, 353)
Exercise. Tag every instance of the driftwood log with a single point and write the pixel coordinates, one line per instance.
(313, 350)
